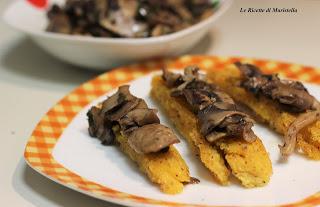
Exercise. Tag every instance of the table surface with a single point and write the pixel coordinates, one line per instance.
(31, 82)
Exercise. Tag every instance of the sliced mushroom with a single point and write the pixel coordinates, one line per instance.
(119, 104)
(144, 116)
(248, 70)
(151, 138)
(191, 73)
(122, 110)
(216, 111)
(171, 79)
(248, 134)
(122, 95)
(95, 120)
(239, 126)
(138, 118)
(127, 18)
(100, 127)
(142, 104)
(299, 100)
(224, 102)
(135, 121)
(198, 99)
(123, 25)
(210, 119)
(290, 137)
(291, 95)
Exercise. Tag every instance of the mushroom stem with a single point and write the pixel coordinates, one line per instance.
(290, 137)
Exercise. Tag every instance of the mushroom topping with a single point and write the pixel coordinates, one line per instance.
(127, 18)
(119, 104)
(123, 95)
(125, 26)
(136, 122)
(172, 79)
(137, 118)
(291, 96)
(151, 138)
(121, 110)
(190, 74)
(290, 137)
(215, 110)
(100, 127)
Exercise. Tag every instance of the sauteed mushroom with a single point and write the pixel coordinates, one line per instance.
(216, 111)
(127, 18)
(291, 96)
(138, 123)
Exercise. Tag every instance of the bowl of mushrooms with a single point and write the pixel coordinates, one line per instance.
(101, 34)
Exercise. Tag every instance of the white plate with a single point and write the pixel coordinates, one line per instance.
(62, 150)
(103, 53)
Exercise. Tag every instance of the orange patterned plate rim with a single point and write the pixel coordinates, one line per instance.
(38, 151)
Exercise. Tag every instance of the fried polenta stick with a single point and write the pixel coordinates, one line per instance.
(308, 139)
(249, 162)
(126, 121)
(167, 169)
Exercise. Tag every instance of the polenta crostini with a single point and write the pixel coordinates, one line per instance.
(285, 105)
(219, 134)
(125, 120)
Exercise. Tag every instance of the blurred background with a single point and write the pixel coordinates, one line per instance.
(31, 81)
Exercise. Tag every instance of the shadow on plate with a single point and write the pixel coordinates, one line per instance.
(42, 192)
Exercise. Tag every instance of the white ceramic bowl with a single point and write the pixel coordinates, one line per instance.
(103, 53)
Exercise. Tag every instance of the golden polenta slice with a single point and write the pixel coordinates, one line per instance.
(167, 169)
(308, 139)
(249, 162)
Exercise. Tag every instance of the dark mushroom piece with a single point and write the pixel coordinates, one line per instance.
(100, 127)
(131, 115)
(151, 138)
(122, 21)
(123, 26)
(137, 118)
(290, 137)
(126, 18)
(216, 111)
(172, 79)
(291, 96)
